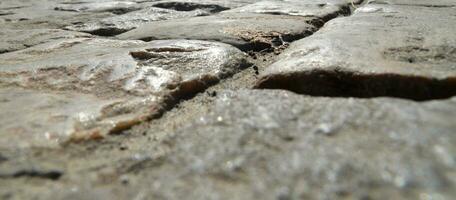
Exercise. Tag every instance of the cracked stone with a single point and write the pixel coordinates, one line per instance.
(378, 51)
(86, 88)
(261, 144)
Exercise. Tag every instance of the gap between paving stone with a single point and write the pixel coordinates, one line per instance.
(189, 6)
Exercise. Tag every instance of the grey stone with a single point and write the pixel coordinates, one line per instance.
(121, 23)
(243, 30)
(40, 14)
(425, 3)
(117, 7)
(381, 50)
(324, 9)
(276, 144)
(12, 40)
(173, 4)
(86, 88)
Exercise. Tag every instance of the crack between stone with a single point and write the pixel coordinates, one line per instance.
(51, 175)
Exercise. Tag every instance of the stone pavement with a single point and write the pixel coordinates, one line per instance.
(216, 99)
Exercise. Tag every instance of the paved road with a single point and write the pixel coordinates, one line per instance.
(216, 99)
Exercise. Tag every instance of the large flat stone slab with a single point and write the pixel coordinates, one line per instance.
(256, 26)
(86, 88)
(243, 30)
(40, 14)
(25, 14)
(265, 144)
(122, 23)
(12, 40)
(381, 50)
(323, 9)
(116, 7)
(425, 3)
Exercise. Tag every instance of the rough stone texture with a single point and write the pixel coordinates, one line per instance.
(39, 14)
(425, 3)
(122, 23)
(222, 3)
(381, 50)
(184, 122)
(12, 40)
(322, 9)
(243, 30)
(279, 145)
(127, 82)
(117, 7)
(255, 26)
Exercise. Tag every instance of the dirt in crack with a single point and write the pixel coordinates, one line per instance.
(51, 175)
(338, 83)
(187, 6)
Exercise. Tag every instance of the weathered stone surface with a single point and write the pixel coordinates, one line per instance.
(41, 119)
(117, 7)
(248, 27)
(279, 145)
(173, 4)
(12, 40)
(243, 30)
(323, 9)
(425, 3)
(39, 14)
(381, 50)
(63, 86)
(118, 24)
(90, 87)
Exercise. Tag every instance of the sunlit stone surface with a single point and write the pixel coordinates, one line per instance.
(119, 83)
(364, 106)
(12, 40)
(381, 50)
(122, 23)
(113, 6)
(322, 9)
(276, 144)
(255, 26)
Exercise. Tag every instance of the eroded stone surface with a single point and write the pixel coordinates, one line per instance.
(276, 144)
(117, 7)
(12, 40)
(381, 50)
(437, 3)
(118, 24)
(227, 145)
(125, 82)
(243, 30)
(221, 3)
(39, 14)
(253, 27)
(323, 9)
